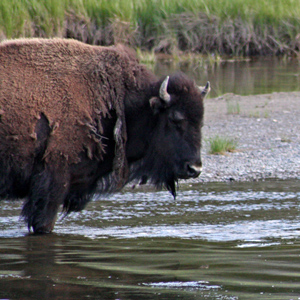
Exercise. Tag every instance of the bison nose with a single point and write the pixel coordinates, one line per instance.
(194, 170)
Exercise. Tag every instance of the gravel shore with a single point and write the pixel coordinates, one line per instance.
(267, 131)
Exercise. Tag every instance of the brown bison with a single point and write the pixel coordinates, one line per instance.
(76, 120)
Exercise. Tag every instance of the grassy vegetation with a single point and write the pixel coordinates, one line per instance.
(207, 26)
(146, 57)
(233, 107)
(259, 114)
(220, 145)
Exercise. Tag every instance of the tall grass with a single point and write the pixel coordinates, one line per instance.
(221, 145)
(225, 26)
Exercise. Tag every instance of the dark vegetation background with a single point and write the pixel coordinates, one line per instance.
(231, 27)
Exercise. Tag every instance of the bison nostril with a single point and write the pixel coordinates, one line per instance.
(194, 170)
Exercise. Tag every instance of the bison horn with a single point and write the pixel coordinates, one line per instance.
(205, 90)
(163, 94)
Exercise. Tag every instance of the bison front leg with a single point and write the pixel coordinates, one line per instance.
(46, 195)
(42, 216)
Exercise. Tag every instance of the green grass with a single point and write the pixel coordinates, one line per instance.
(221, 26)
(233, 107)
(145, 57)
(258, 114)
(221, 145)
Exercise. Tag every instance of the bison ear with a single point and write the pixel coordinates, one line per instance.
(164, 99)
(156, 104)
(205, 90)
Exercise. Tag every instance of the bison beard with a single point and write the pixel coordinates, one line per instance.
(76, 120)
(150, 170)
(155, 172)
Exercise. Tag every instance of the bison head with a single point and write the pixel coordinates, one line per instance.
(164, 136)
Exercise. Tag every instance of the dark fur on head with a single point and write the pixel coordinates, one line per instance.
(174, 136)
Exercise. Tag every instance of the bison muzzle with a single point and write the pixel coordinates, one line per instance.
(76, 120)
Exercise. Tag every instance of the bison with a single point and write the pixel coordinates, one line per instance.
(77, 119)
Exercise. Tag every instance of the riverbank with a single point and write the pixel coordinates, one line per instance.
(267, 132)
(230, 27)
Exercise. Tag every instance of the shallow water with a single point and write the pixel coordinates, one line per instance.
(216, 241)
(258, 75)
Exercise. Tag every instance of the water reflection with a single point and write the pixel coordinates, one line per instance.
(256, 76)
(217, 241)
(53, 267)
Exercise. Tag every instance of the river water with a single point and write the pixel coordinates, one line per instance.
(215, 241)
(261, 75)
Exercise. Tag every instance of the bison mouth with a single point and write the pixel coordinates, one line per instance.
(161, 175)
(190, 171)
(170, 182)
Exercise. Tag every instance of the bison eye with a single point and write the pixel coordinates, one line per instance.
(177, 118)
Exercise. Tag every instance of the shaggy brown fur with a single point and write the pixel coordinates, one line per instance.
(78, 119)
(64, 80)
